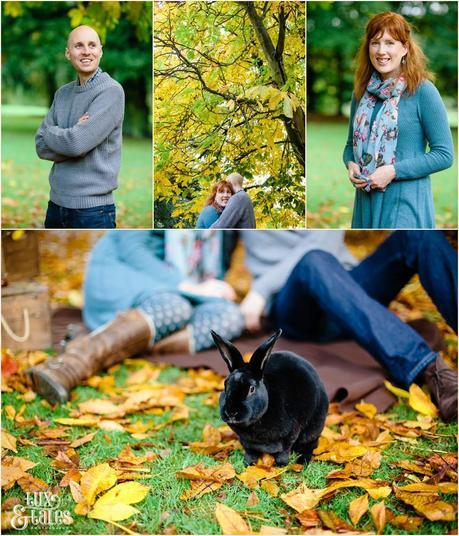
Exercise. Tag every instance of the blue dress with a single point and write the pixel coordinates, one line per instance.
(208, 216)
(407, 202)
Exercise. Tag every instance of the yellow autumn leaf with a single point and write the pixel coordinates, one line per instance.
(17, 235)
(378, 513)
(8, 441)
(357, 508)
(110, 512)
(98, 406)
(369, 410)
(303, 498)
(396, 390)
(421, 402)
(96, 479)
(230, 521)
(270, 487)
(82, 421)
(126, 493)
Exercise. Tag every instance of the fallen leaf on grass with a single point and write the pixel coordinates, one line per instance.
(396, 390)
(8, 441)
(303, 498)
(427, 504)
(14, 468)
(362, 467)
(115, 505)
(97, 479)
(98, 406)
(341, 452)
(333, 522)
(252, 499)
(270, 487)
(254, 473)
(230, 521)
(83, 421)
(82, 440)
(309, 519)
(205, 479)
(31, 484)
(369, 410)
(421, 402)
(264, 529)
(357, 508)
(404, 522)
(378, 514)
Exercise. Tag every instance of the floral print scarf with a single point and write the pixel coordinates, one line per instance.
(375, 145)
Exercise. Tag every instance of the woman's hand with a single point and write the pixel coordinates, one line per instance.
(214, 288)
(382, 176)
(352, 168)
(252, 308)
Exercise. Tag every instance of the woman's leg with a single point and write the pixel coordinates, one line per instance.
(168, 311)
(221, 316)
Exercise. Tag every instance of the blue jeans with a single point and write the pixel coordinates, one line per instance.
(102, 217)
(322, 301)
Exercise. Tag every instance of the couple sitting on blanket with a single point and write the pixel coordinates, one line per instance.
(169, 286)
(228, 206)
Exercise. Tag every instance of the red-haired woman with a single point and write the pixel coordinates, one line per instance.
(395, 110)
(215, 203)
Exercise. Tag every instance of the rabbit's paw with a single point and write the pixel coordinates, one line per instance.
(282, 457)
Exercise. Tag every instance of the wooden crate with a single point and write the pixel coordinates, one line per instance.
(26, 303)
(20, 258)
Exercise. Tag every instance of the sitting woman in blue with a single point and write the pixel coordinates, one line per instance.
(215, 203)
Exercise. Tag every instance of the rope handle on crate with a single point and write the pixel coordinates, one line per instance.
(10, 332)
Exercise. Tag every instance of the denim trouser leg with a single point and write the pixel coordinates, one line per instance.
(405, 253)
(320, 291)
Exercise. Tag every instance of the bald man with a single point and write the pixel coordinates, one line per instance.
(82, 135)
(238, 213)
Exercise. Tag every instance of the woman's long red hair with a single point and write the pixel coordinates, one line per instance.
(217, 187)
(414, 68)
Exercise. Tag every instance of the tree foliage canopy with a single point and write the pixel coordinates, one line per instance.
(229, 96)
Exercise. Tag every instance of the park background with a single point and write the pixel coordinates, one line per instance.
(229, 83)
(334, 34)
(34, 35)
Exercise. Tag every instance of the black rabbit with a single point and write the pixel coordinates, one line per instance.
(276, 403)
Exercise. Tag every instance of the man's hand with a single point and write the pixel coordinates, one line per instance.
(382, 176)
(212, 287)
(252, 308)
(83, 118)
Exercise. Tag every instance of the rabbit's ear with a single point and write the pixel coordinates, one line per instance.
(228, 351)
(262, 353)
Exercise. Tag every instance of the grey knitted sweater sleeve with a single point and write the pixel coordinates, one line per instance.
(105, 111)
(43, 151)
(232, 214)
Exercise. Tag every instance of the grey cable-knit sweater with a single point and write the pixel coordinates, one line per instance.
(238, 213)
(86, 156)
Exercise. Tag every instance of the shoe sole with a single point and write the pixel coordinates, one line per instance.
(49, 389)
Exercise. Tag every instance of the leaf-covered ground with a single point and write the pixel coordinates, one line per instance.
(141, 448)
(159, 427)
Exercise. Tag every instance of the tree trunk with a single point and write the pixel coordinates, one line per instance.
(295, 127)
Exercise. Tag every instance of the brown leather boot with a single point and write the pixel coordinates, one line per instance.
(130, 333)
(442, 383)
(178, 342)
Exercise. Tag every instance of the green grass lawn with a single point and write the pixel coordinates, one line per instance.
(330, 196)
(25, 187)
(163, 512)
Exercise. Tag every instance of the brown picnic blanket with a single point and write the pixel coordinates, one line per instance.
(349, 373)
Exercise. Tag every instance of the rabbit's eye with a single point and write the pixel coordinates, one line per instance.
(251, 390)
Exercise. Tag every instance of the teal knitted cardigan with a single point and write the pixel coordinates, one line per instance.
(407, 202)
(87, 155)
